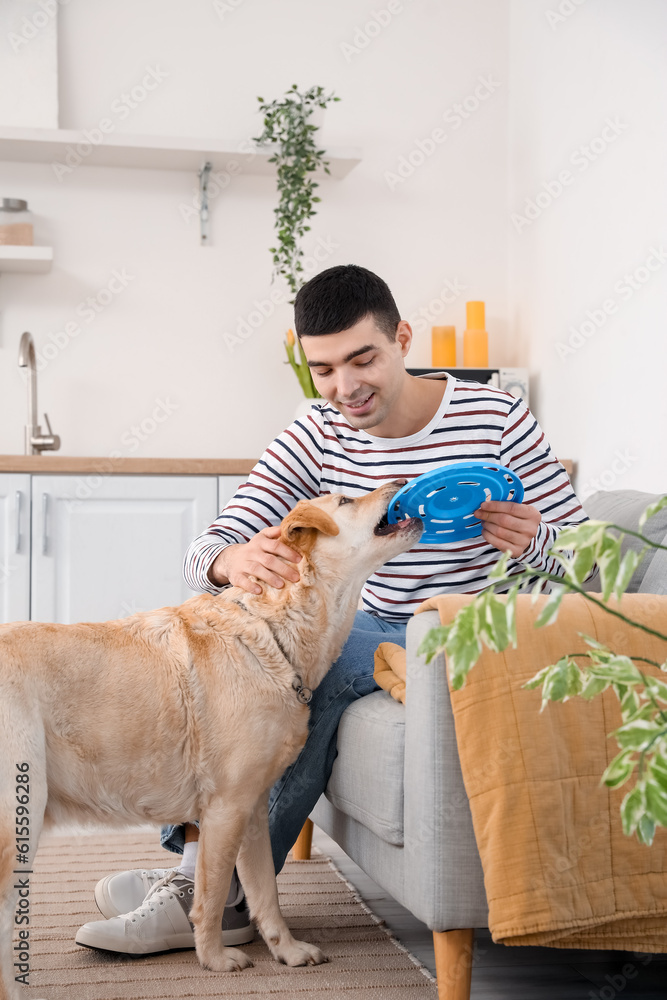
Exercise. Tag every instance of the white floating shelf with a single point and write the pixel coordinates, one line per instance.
(29, 260)
(152, 152)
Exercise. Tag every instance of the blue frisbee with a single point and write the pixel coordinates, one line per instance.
(445, 499)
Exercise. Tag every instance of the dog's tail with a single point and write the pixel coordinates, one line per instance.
(23, 794)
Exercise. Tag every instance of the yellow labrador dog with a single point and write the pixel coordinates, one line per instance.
(224, 682)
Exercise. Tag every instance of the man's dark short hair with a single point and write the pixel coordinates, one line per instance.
(341, 296)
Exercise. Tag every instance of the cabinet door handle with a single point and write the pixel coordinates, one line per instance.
(45, 533)
(19, 497)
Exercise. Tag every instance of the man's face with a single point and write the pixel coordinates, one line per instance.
(359, 370)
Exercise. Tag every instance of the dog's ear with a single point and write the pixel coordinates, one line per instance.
(300, 527)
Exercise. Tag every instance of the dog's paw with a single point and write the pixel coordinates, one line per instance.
(300, 953)
(228, 960)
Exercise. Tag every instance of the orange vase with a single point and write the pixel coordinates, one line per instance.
(443, 346)
(475, 337)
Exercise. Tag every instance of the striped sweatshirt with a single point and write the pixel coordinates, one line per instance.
(322, 453)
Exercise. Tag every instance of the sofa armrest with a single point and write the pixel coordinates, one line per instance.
(443, 870)
(624, 508)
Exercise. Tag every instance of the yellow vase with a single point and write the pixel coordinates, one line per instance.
(475, 337)
(443, 346)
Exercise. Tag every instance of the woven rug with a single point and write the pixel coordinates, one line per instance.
(318, 904)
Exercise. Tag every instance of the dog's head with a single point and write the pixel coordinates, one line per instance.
(350, 532)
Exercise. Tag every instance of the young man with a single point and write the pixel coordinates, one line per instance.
(375, 423)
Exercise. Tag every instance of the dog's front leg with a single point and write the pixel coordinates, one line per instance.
(222, 827)
(257, 876)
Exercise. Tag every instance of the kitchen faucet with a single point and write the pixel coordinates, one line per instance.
(35, 441)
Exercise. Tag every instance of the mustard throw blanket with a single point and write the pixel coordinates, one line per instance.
(558, 869)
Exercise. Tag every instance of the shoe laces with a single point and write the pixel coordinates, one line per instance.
(149, 876)
(167, 888)
(164, 889)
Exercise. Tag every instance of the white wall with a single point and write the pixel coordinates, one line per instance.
(597, 344)
(161, 337)
(28, 64)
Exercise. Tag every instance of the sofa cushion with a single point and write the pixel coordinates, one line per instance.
(624, 507)
(367, 778)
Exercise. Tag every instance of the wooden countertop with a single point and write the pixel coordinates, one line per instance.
(140, 466)
(50, 464)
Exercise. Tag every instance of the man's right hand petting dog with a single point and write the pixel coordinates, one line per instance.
(225, 681)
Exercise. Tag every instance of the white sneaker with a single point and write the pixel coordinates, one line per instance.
(161, 922)
(124, 891)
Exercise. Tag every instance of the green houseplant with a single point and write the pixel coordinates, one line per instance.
(288, 127)
(642, 736)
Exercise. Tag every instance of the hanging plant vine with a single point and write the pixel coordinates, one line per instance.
(297, 157)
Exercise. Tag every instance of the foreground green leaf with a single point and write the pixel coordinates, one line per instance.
(617, 669)
(463, 644)
(651, 510)
(658, 771)
(593, 686)
(608, 558)
(656, 687)
(433, 642)
(619, 770)
(645, 830)
(500, 569)
(582, 535)
(560, 681)
(637, 735)
(549, 612)
(632, 809)
(629, 564)
(493, 622)
(656, 802)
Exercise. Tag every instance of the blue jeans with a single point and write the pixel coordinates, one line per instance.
(294, 795)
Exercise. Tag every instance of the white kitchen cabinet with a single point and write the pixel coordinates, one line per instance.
(108, 546)
(14, 547)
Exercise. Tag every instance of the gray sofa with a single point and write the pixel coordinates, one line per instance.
(396, 802)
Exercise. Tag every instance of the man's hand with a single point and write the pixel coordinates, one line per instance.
(264, 557)
(508, 525)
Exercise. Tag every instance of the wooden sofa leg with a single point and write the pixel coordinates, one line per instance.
(453, 963)
(301, 850)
